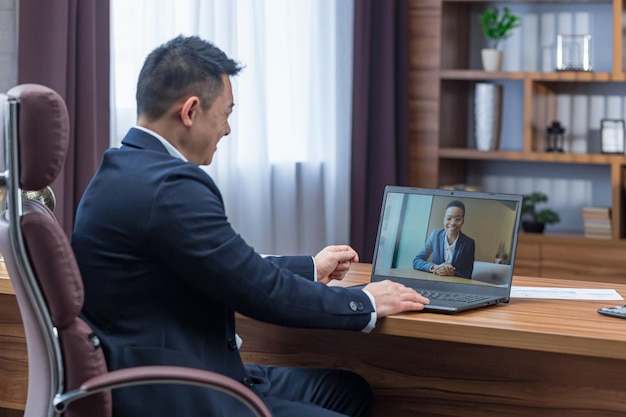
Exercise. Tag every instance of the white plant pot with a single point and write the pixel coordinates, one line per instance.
(492, 59)
(487, 116)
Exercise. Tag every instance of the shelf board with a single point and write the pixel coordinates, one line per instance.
(565, 158)
(570, 239)
(527, 1)
(560, 76)
(453, 74)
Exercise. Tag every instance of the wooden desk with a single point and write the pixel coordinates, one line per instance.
(527, 358)
(530, 357)
(13, 357)
(413, 273)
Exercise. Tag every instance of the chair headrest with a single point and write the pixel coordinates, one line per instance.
(43, 130)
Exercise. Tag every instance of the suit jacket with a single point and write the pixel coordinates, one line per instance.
(462, 260)
(164, 274)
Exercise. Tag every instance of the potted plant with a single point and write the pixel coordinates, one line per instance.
(533, 219)
(496, 25)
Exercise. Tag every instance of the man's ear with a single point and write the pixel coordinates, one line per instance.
(189, 109)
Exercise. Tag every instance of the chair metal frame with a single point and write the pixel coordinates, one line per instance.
(14, 203)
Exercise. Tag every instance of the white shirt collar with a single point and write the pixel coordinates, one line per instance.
(170, 148)
(453, 244)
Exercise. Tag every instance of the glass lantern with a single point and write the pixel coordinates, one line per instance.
(554, 137)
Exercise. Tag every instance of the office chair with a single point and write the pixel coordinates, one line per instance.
(67, 371)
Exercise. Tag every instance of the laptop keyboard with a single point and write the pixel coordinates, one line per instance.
(451, 296)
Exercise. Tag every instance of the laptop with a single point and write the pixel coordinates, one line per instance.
(475, 271)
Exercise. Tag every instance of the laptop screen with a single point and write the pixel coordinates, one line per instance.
(454, 237)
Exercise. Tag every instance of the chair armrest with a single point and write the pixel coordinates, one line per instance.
(142, 375)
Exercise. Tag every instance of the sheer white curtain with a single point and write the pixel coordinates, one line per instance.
(284, 171)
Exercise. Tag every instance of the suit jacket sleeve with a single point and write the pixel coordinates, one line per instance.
(420, 261)
(464, 257)
(301, 265)
(190, 229)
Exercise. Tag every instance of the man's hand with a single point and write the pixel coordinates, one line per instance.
(393, 297)
(333, 262)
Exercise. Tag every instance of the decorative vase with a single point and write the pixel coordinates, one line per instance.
(487, 116)
(492, 59)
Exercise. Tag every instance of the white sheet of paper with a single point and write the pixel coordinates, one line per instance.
(565, 293)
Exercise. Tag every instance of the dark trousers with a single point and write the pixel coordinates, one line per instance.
(311, 392)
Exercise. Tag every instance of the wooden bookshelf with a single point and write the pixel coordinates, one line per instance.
(442, 75)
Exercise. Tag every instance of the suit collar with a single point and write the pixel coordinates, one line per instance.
(138, 138)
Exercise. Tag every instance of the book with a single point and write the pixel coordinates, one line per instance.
(596, 212)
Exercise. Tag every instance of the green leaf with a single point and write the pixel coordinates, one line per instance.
(497, 25)
(530, 211)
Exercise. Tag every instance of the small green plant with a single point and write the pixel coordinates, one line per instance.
(530, 211)
(497, 25)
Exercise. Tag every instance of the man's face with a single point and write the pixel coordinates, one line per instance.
(453, 220)
(212, 124)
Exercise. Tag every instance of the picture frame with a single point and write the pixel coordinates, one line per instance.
(613, 134)
(573, 52)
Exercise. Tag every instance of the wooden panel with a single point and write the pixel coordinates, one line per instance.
(423, 129)
(528, 259)
(455, 24)
(527, 268)
(424, 35)
(529, 117)
(528, 249)
(618, 36)
(423, 167)
(424, 103)
(595, 260)
(412, 376)
(565, 158)
(13, 356)
(571, 258)
(544, 104)
(453, 123)
(451, 172)
(424, 50)
(557, 326)
(5, 285)
(531, 357)
(618, 186)
(6, 412)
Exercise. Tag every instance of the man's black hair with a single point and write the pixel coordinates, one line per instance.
(183, 66)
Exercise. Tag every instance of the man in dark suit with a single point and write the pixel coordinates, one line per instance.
(164, 272)
(452, 250)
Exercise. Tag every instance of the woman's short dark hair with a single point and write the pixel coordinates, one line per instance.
(181, 67)
(456, 203)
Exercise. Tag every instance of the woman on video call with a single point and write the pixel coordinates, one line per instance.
(452, 250)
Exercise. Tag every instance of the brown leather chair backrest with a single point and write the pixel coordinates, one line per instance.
(43, 124)
(63, 352)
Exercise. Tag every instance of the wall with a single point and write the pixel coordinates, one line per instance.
(8, 44)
